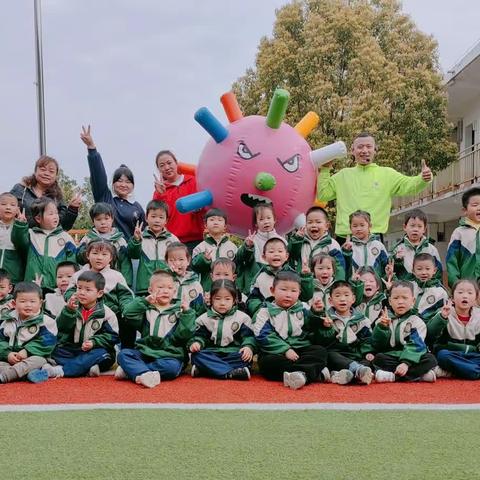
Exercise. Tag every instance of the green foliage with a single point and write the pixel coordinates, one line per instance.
(69, 187)
(361, 65)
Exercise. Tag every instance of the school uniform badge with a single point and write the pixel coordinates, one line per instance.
(235, 327)
(354, 328)
(230, 254)
(61, 242)
(95, 325)
(33, 329)
(300, 315)
(408, 327)
(375, 251)
(172, 318)
(377, 307)
(431, 299)
(192, 293)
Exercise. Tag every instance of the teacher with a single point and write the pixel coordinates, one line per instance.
(367, 186)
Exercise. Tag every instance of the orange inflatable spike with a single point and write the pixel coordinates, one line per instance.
(186, 168)
(308, 123)
(231, 107)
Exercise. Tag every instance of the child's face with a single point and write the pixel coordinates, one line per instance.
(342, 299)
(178, 261)
(223, 272)
(50, 218)
(424, 270)
(415, 229)
(472, 211)
(8, 208)
(87, 293)
(464, 296)
(275, 254)
(360, 228)
(28, 304)
(156, 220)
(317, 225)
(370, 287)
(99, 258)
(162, 287)
(286, 293)
(64, 274)
(222, 301)
(401, 300)
(103, 223)
(5, 288)
(265, 220)
(215, 225)
(323, 271)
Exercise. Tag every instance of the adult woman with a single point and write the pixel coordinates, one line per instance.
(127, 213)
(44, 183)
(171, 186)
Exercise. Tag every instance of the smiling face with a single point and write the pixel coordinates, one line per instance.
(342, 299)
(473, 209)
(370, 285)
(46, 174)
(317, 224)
(363, 150)
(8, 208)
(275, 253)
(27, 304)
(168, 167)
(424, 270)
(324, 271)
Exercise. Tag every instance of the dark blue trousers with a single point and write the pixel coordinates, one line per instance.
(217, 364)
(462, 365)
(134, 363)
(76, 363)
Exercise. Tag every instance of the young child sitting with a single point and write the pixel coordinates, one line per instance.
(165, 326)
(323, 267)
(455, 333)
(414, 242)
(374, 299)
(314, 238)
(151, 245)
(217, 244)
(223, 344)
(276, 255)
(102, 217)
(464, 247)
(363, 249)
(6, 288)
(45, 246)
(27, 336)
(282, 330)
(347, 336)
(87, 332)
(54, 302)
(399, 339)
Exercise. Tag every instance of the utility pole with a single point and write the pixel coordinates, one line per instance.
(39, 80)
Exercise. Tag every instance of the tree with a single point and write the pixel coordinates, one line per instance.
(361, 65)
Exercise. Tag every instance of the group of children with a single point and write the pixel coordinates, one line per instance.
(309, 309)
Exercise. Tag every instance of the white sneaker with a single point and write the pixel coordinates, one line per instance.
(364, 375)
(441, 373)
(94, 371)
(120, 374)
(294, 380)
(342, 377)
(381, 376)
(148, 379)
(194, 372)
(325, 375)
(429, 377)
(53, 372)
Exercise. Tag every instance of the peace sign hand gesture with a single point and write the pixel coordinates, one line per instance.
(446, 309)
(384, 318)
(159, 183)
(86, 138)
(137, 233)
(249, 240)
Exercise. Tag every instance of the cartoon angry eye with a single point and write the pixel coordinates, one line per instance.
(291, 164)
(245, 152)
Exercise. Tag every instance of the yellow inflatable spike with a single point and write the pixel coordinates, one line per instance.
(320, 204)
(307, 124)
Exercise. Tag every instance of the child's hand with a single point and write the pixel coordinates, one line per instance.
(355, 275)
(389, 273)
(86, 137)
(87, 345)
(185, 306)
(206, 298)
(369, 357)
(249, 240)
(76, 201)
(348, 245)
(401, 370)
(13, 358)
(38, 279)
(400, 253)
(195, 347)
(21, 217)
(207, 254)
(159, 183)
(151, 299)
(72, 303)
(247, 354)
(292, 355)
(327, 321)
(305, 268)
(137, 233)
(384, 318)
(23, 354)
(446, 309)
(301, 232)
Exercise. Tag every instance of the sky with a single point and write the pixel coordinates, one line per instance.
(137, 72)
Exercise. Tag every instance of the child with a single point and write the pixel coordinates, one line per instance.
(323, 267)
(363, 249)
(414, 242)
(216, 244)
(374, 299)
(150, 247)
(282, 330)
(223, 344)
(314, 238)
(102, 217)
(188, 289)
(6, 288)
(165, 326)
(87, 332)
(45, 246)
(54, 302)
(10, 258)
(455, 333)
(347, 336)
(27, 337)
(276, 255)
(463, 249)
(400, 340)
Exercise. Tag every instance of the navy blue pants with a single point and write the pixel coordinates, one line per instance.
(76, 363)
(462, 365)
(134, 363)
(217, 364)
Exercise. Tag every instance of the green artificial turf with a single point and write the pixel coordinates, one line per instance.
(177, 444)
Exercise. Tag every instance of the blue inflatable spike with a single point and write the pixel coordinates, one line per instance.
(195, 201)
(210, 123)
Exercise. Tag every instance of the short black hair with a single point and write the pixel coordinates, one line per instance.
(286, 276)
(176, 246)
(5, 275)
(422, 257)
(366, 269)
(67, 263)
(473, 192)
(274, 240)
(224, 283)
(123, 170)
(157, 205)
(340, 284)
(8, 195)
(162, 272)
(102, 244)
(364, 134)
(471, 281)
(27, 287)
(39, 205)
(316, 208)
(418, 214)
(401, 284)
(101, 208)
(320, 257)
(92, 277)
(215, 212)
(266, 205)
(362, 214)
(223, 261)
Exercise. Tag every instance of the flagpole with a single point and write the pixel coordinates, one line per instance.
(39, 78)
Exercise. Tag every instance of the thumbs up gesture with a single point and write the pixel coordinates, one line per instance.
(426, 172)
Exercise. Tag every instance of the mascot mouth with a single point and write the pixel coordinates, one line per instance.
(251, 200)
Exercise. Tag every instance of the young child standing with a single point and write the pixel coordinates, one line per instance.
(165, 326)
(223, 344)
(27, 336)
(54, 302)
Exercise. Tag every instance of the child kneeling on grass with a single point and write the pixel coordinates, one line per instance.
(223, 345)
(282, 330)
(165, 327)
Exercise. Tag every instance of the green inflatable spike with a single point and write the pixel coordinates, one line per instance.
(278, 107)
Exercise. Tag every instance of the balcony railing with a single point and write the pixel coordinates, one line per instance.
(458, 175)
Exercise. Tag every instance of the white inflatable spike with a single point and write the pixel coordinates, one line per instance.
(300, 221)
(327, 154)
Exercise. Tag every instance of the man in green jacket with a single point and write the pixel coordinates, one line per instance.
(367, 186)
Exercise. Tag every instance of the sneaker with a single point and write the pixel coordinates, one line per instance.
(342, 377)
(294, 380)
(364, 375)
(429, 377)
(194, 372)
(120, 374)
(37, 376)
(381, 376)
(325, 375)
(94, 371)
(53, 372)
(148, 379)
(239, 374)
(441, 373)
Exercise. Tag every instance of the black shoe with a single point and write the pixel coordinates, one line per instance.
(239, 374)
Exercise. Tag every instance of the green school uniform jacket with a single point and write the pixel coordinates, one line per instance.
(189, 290)
(323, 291)
(54, 303)
(429, 298)
(10, 258)
(372, 308)
(369, 253)
(164, 333)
